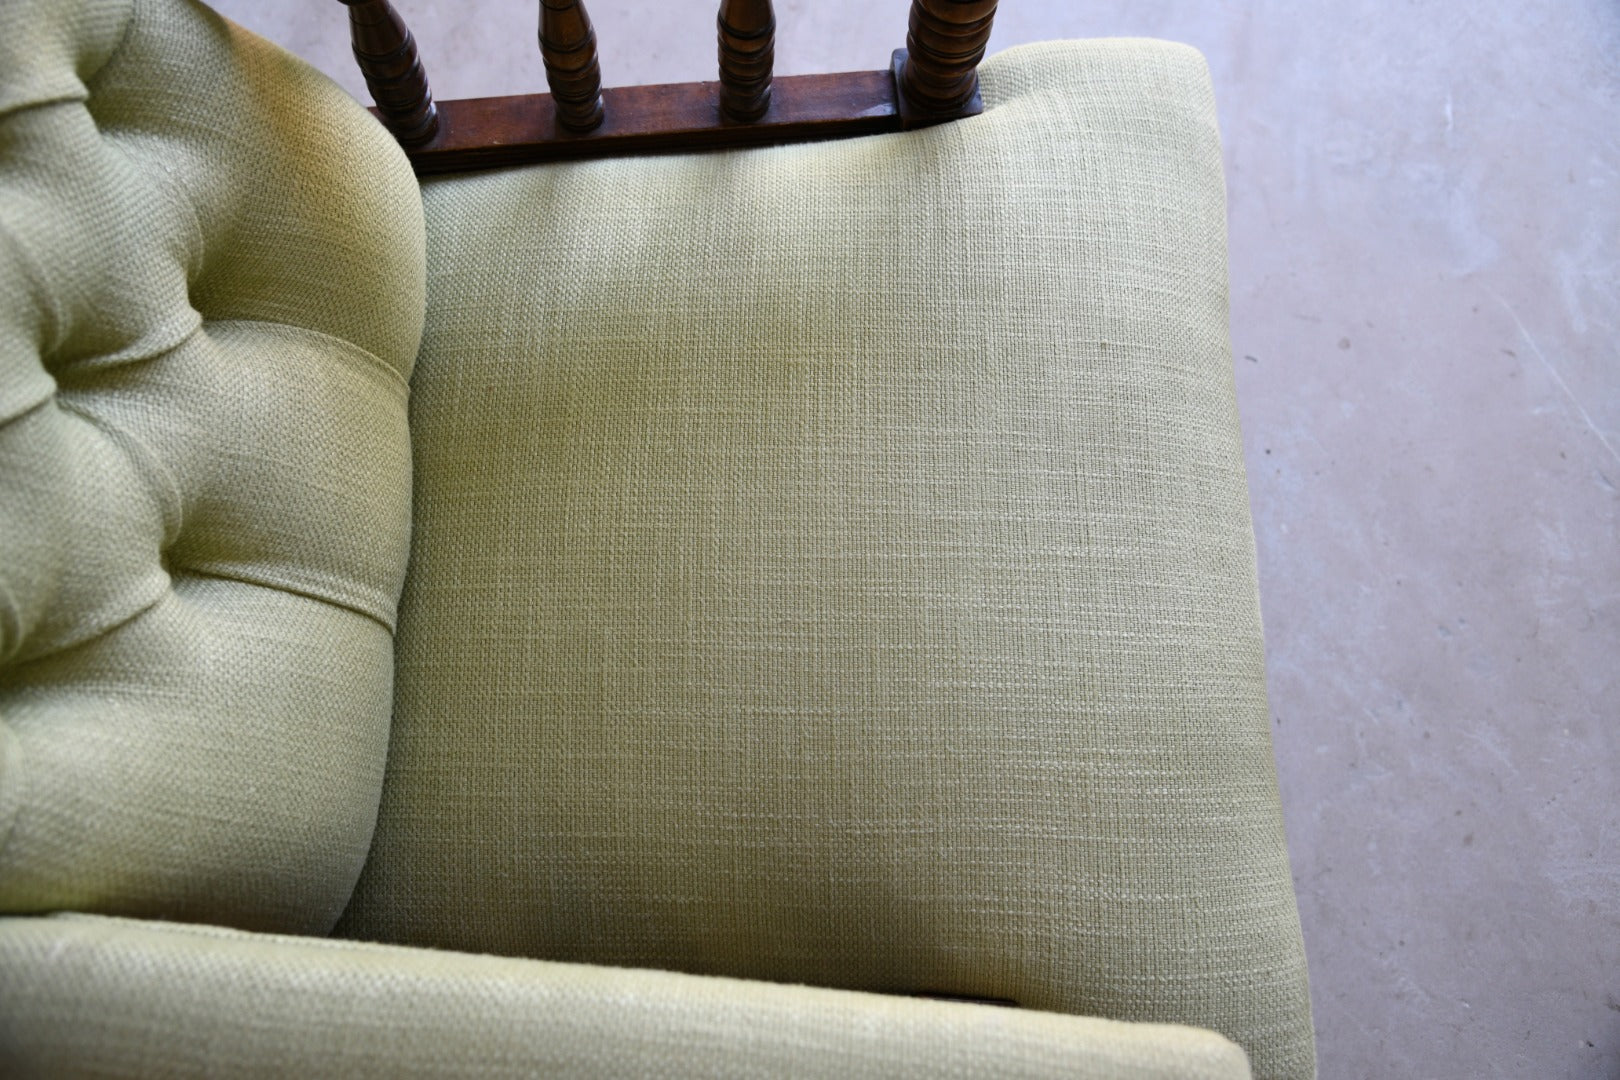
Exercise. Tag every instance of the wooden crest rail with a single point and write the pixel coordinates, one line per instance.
(934, 79)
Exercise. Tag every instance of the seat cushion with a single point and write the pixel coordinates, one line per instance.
(211, 275)
(832, 564)
(90, 996)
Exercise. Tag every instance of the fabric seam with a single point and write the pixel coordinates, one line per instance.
(44, 103)
(97, 634)
(142, 456)
(384, 366)
(215, 575)
(24, 783)
(7, 421)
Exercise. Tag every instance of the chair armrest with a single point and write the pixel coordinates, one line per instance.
(90, 995)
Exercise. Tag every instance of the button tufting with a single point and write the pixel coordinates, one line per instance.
(204, 526)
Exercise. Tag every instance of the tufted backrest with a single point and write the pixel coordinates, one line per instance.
(211, 292)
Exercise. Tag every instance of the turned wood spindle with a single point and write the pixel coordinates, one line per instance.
(747, 48)
(386, 53)
(568, 46)
(940, 76)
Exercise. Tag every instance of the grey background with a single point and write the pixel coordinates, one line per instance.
(1425, 247)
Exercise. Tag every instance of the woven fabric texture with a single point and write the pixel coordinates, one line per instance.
(832, 564)
(211, 292)
(90, 996)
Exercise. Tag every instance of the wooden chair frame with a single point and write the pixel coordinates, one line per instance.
(934, 79)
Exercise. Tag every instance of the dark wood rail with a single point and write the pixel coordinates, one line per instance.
(482, 133)
(933, 80)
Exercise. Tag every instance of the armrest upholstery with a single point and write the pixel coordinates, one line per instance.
(93, 996)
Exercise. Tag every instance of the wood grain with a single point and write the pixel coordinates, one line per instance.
(568, 47)
(939, 80)
(386, 53)
(481, 133)
(747, 50)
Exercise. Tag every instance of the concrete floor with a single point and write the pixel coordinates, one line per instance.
(1425, 247)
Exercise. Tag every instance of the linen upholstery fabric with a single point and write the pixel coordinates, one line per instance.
(90, 996)
(832, 564)
(211, 275)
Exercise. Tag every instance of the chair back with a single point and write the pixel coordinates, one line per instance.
(933, 79)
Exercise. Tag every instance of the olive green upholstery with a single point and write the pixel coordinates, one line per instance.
(154, 999)
(211, 280)
(821, 574)
(832, 564)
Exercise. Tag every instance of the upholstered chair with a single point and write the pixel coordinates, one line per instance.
(777, 611)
